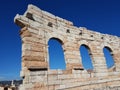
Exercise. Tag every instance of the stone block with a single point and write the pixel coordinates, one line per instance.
(36, 64)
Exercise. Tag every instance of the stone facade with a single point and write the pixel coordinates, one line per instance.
(7, 88)
(38, 27)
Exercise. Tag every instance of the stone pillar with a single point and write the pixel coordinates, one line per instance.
(9, 89)
(34, 54)
(99, 62)
(1, 88)
(72, 56)
(33, 50)
(116, 57)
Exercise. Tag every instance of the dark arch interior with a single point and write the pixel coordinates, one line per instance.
(6, 88)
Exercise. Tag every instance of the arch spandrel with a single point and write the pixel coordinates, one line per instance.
(52, 35)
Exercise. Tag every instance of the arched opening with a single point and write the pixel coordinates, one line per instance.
(86, 57)
(108, 54)
(56, 54)
(6, 88)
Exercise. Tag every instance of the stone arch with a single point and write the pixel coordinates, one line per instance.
(108, 46)
(55, 36)
(59, 55)
(111, 51)
(88, 44)
(59, 40)
(87, 59)
(6, 88)
(109, 57)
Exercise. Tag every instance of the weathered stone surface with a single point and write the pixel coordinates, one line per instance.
(35, 64)
(38, 27)
(1, 88)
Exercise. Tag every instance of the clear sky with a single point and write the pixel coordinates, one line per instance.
(98, 15)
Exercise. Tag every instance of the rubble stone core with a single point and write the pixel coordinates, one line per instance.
(38, 27)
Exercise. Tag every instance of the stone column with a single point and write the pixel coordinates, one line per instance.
(34, 54)
(99, 62)
(72, 56)
(116, 57)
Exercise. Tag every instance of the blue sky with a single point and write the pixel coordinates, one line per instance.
(56, 55)
(99, 15)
